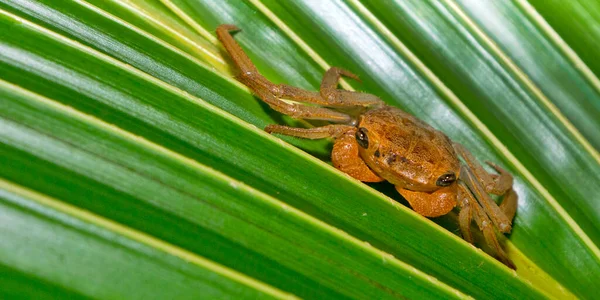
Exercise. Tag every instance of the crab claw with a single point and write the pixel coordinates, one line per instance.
(434, 204)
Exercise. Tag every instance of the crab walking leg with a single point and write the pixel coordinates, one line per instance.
(233, 48)
(495, 184)
(502, 183)
(489, 206)
(310, 133)
(490, 236)
(252, 78)
(477, 169)
(509, 204)
(336, 97)
(269, 92)
(300, 111)
(465, 216)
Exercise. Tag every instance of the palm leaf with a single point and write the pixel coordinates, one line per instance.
(129, 148)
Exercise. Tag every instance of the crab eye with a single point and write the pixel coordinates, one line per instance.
(361, 137)
(446, 179)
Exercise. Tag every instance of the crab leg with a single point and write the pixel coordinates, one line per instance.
(251, 77)
(484, 224)
(299, 111)
(495, 184)
(489, 206)
(509, 204)
(310, 133)
(270, 92)
(501, 183)
(465, 216)
(490, 237)
(337, 97)
(254, 80)
(475, 175)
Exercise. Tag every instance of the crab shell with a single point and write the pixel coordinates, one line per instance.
(408, 152)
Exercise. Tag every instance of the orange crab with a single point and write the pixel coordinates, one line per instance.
(386, 143)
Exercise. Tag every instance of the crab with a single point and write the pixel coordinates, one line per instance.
(384, 143)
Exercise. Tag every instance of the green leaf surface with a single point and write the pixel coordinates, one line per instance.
(573, 27)
(137, 120)
(49, 257)
(536, 60)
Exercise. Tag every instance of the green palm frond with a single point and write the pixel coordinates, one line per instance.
(134, 165)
